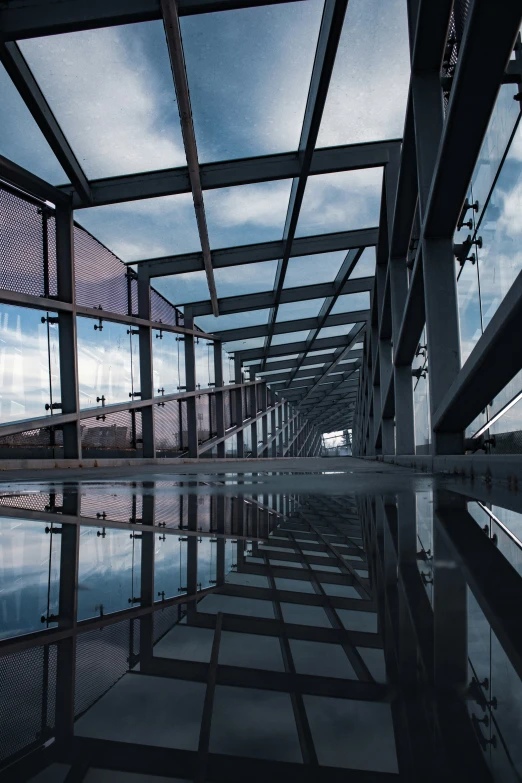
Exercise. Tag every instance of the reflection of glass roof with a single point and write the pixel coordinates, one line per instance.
(250, 84)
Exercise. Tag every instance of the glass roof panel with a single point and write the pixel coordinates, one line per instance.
(21, 140)
(340, 201)
(365, 266)
(112, 92)
(281, 358)
(307, 270)
(369, 86)
(145, 229)
(248, 72)
(271, 372)
(323, 350)
(244, 345)
(292, 310)
(349, 302)
(233, 320)
(247, 279)
(183, 289)
(289, 337)
(335, 331)
(246, 214)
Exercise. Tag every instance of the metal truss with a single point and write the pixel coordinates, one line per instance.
(415, 284)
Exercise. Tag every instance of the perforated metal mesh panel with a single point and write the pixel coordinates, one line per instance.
(36, 502)
(27, 678)
(167, 422)
(507, 443)
(167, 508)
(117, 507)
(101, 278)
(161, 309)
(102, 658)
(184, 425)
(230, 418)
(213, 420)
(112, 431)
(203, 417)
(28, 247)
(45, 437)
(164, 620)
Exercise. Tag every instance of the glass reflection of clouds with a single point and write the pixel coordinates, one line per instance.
(108, 362)
(29, 363)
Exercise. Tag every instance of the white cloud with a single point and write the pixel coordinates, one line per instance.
(262, 204)
(107, 96)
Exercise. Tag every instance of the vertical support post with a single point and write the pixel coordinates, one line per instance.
(72, 446)
(220, 409)
(146, 378)
(67, 619)
(252, 390)
(147, 576)
(273, 446)
(192, 555)
(238, 379)
(438, 262)
(190, 375)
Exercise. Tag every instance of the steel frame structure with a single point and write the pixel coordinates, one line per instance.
(422, 201)
(49, 18)
(426, 176)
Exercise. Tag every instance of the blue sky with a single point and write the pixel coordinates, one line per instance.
(111, 90)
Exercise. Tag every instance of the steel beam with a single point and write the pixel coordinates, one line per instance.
(284, 327)
(327, 43)
(169, 12)
(264, 251)
(34, 99)
(265, 299)
(231, 173)
(36, 18)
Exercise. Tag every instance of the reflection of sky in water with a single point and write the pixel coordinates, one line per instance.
(109, 572)
(29, 575)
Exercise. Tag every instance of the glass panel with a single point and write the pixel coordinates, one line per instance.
(308, 308)
(109, 571)
(500, 258)
(248, 73)
(365, 266)
(29, 576)
(21, 140)
(207, 562)
(231, 446)
(307, 270)
(502, 122)
(184, 288)
(424, 515)
(233, 321)
(244, 345)
(111, 90)
(289, 337)
(146, 229)
(168, 353)
(421, 399)
(506, 689)
(170, 566)
(204, 355)
(29, 363)
(107, 361)
(247, 214)
(248, 279)
(341, 201)
(281, 358)
(350, 302)
(335, 331)
(369, 87)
